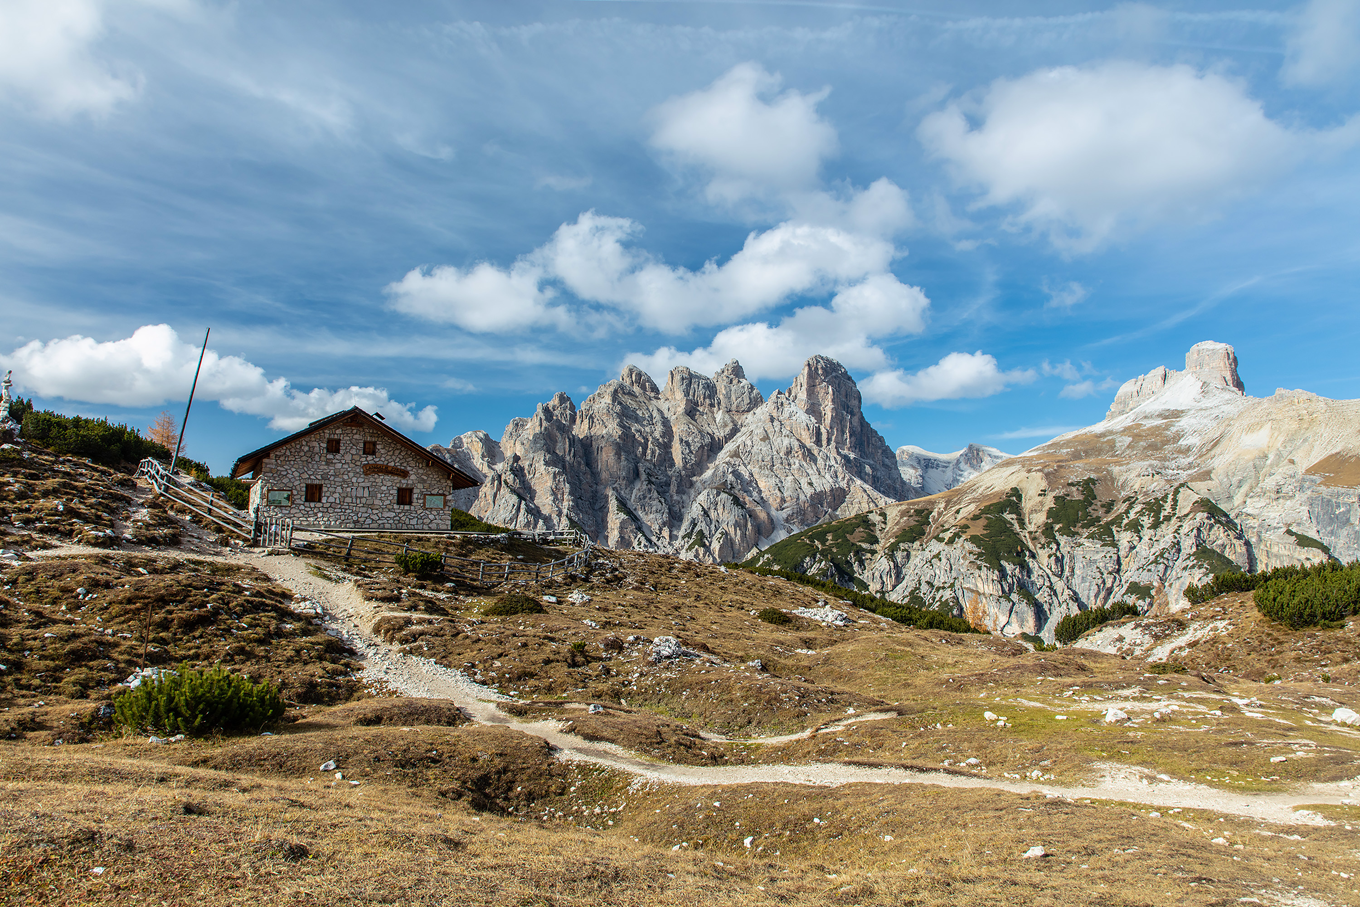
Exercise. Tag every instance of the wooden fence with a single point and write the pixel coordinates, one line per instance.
(364, 547)
(201, 499)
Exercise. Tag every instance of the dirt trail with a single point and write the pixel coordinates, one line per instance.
(347, 615)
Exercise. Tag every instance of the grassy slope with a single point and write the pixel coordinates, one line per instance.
(251, 818)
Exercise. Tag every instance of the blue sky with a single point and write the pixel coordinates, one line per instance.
(449, 211)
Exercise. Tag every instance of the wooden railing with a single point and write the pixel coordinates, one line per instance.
(197, 497)
(364, 547)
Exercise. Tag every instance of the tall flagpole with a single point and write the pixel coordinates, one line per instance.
(180, 440)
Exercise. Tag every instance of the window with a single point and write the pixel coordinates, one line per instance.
(434, 501)
(313, 493)
(370, 448)
(405, 495)
(279, 498)
(332, 445)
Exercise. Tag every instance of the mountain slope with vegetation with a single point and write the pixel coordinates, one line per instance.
(1186, 478)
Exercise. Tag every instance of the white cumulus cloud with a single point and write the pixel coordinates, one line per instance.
(48, 59)
(155, 366)
(879, 307)
(1324, 44)
(748, 145)
(594, 258)
(955, 376)
(1084, 154)
(481, 299)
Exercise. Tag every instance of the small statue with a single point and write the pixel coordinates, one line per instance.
(9, 429)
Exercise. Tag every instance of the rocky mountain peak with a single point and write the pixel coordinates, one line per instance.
(639, 380)
(691, 389)
(1213, 363)
(826, 392)
(559, 408)
(736, 395)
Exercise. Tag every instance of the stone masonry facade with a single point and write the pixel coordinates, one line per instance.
(358, 490)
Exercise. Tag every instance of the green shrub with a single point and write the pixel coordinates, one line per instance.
(1037, 642)
(196, 703)
(1322, 595)
(419, 563)
(1167, 667)
(1071, 627)
(94, 439)
(235, 491)
(462, 521)
(513, 603)
(19, 408)
(774, 616)
(912, 615)
(578, 647)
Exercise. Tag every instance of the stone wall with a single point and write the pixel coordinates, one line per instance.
(358, 491)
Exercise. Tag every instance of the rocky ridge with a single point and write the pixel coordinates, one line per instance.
(706, 468)
(1186, 477)
(929, 473)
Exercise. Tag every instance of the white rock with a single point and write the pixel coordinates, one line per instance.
(550, 599)
(1346, 716)
(328, 765)
(1114, 716)
(746, 842)
(829, 616)
(595, 708)
(578, 597)
(989, 716)
(1035, 852)
(972, 760)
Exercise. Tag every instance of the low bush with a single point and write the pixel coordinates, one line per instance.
(195, 703)
(419, 563)
(774, 616)
(1071, 627)
(513, 603)
(1322, 595)
(94, 439)
(462, 521)
(910, 615)
(1167, 667)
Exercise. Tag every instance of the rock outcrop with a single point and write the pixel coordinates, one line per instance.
(704, 467)
(1213, 363)
(1186, 477)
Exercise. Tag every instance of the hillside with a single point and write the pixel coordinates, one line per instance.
(575, 756)
(1186, 477)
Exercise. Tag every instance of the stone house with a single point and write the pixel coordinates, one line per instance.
(351, 470)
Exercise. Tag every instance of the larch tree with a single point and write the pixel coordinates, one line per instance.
(164, 431)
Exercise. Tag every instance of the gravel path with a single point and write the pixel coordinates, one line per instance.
(346, 614)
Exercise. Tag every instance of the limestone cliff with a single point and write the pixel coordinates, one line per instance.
(704, 467)
(1187, 476)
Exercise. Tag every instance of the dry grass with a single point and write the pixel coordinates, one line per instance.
(70, 649)
(221, 823)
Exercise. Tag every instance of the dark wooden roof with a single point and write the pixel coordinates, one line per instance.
(251, 461)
